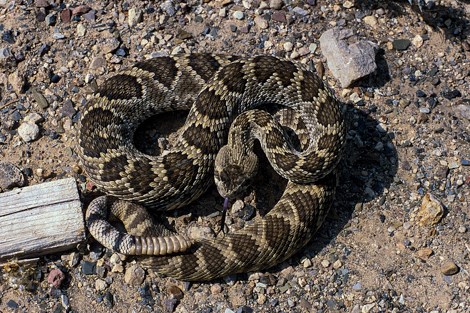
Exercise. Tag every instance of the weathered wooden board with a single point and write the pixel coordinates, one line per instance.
(40, 219)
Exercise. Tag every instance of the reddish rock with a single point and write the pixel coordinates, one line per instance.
(81, 9)
(279, 16)
(56, 277)
(65, 15)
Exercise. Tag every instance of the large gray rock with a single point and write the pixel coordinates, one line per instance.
(347, 62)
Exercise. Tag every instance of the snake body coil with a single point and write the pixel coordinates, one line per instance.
(216, 90)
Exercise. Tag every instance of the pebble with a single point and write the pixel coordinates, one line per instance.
(367, 307)
(175, 292)
(462, 229)
(401, 44)
(337, 264)
(64, 300)
(100, 284)
(306, 262)
(134, 275)
(28, 131)
(275, 4)
(279, 16)
(12, 304)
(431, 211)
(370, 20)
(424, 253)
(239, 15)
(56, 278)
(81, 30)
(88, 268)
(451, 94)
(348, 4)
(325, 263)
(417, 41)
(134, 17)
(357, 286)
(288, 46)
(168, 8)
(10, 176)
(261, 22)
(51, 19)
(74, 259)
(65, 15)
(216, 289)
(300, 11)
(58, 36)
(347, 62)
(449, 268)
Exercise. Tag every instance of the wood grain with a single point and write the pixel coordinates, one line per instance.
(40, 219)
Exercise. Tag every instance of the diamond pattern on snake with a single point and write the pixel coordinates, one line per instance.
(226, 97)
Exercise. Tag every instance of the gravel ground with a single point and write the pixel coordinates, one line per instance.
(397, 239)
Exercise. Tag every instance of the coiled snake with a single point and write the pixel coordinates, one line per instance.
(221, 94)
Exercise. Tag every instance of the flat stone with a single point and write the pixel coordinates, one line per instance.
(134, 275)
(424, 253)
(449, 268)
(33, 117)
(347, 62)
(10, 176)
(88, 268)
(279, 16)
(135, 16)
(81, 9)
(68, 109)
(401, 44)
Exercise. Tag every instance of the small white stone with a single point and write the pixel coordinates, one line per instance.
(288, 46)
(312, 47)
(223, 12)
(417, 41)
(325, 263)
(81, 30)
(28, 131)
(348, 4)
(100, 285)
(370, 20)
(239, 15)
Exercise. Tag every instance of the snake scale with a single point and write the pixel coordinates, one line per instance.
(222, 94)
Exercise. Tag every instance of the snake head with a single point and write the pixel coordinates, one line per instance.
(233, 171)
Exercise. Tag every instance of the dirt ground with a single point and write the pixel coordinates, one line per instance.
(408, 138)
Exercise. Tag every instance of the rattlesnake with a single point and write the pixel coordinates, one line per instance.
(216, 89)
